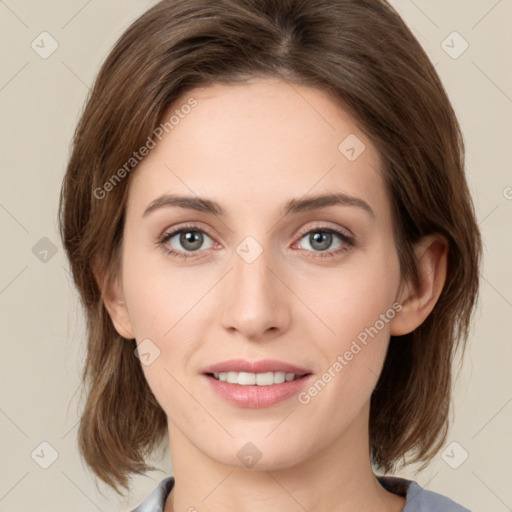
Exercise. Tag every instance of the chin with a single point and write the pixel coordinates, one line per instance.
(259, 455)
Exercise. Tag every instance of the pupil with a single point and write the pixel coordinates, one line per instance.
(188, 238)
(323, 238)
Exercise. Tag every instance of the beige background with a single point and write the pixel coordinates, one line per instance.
(42, 326)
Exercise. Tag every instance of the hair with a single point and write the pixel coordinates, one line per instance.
(363, 54)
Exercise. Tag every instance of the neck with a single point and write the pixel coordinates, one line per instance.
(337, 477)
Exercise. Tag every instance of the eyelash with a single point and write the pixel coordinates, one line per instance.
(346, 239)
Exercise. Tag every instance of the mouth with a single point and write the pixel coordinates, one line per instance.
(257, 390)
(256, 379)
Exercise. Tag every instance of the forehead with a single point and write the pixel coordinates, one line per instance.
(264, 141)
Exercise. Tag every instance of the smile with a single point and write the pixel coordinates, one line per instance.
(254, 379)
(256, 390)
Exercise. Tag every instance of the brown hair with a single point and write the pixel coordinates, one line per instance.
(363, 53)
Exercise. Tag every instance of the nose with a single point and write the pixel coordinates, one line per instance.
(256, 302)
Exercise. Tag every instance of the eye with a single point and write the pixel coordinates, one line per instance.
(191, 239)
(187, 240)
(321, 238)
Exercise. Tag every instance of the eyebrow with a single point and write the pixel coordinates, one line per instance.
(293, 206)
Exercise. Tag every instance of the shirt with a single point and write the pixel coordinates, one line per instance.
(417, 498)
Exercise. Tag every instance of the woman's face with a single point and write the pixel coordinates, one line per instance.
(269, 278)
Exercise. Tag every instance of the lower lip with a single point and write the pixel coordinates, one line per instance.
(255, 397)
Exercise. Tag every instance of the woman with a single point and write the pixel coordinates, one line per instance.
(268, 221)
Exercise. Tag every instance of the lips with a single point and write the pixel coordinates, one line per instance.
(263, 366)
(256, 390)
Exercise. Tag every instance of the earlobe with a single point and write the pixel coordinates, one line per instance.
(418, 302)
(113, 298)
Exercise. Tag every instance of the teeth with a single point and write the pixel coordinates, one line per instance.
(251, 379)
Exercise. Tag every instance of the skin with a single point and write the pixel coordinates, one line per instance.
(252, 147)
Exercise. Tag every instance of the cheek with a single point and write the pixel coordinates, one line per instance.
(163, 304)
(351, 299)
(158, 295)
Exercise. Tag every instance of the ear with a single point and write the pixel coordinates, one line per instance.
(417, 303)
(113, 298)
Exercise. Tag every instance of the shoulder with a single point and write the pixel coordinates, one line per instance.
(155, 502)
(419, 499)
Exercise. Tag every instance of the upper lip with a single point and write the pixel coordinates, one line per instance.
(263, 366)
